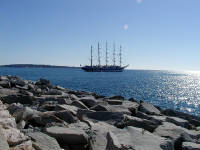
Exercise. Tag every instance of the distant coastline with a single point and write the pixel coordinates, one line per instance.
(36, 66)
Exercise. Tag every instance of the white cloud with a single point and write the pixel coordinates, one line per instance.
(139, 1)
(126, 27)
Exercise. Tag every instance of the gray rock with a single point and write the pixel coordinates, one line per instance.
(114, 102)
(178, 121)
(3, 141)
(109, 117)
(68, 136)
(42, 82)
(66, 116)
(17, 81)
(72, 109)
(141, 123)
(99, 107)
(26, 113)
(5, 84)
(79, 104)
(89, 102)
(148, 109)
(136, 139)
(53, 92)
(42, 141)
(177, 134)
(99, 132)
(46, 119)
(3, 78)
(18, 98)
(119, 97)
(114, 144)
(5, 92)
(190, 146)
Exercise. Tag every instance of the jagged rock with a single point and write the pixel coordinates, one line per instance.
(25, 113)
(66, 116)
(98, 135)
(14, 137)
(3, 141)
(27, 145)
(178, 121)
(72, 109)
(42, 141)
(45, 119)
(17, 81)
(8, 122)
(18, 98)
(176, 133)
(5, 92)
(190, 146)
(119, 97)
(148, 109)
(5, 84)
(68, 136)
(42, 82)
(194, 120)
(136, 139)
(99, 107)
(141, 123)
(114, 102)
(88, 101)
(53, 92)
(79, 104)
(127, 107)
(3, 78)
(109, 117)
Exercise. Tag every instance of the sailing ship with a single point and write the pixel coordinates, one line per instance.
(106, 67)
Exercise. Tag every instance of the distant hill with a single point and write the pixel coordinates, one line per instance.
(36, 66)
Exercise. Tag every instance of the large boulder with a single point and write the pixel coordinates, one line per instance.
(98, 133)
(141, 123)
(70, 108)
(45, 119)
(190, 146)
(17, 81)
(66, 116)
(26, 145)
(18, 98)
(5, 84)
(14, 137)
(109, 117)
(178, 121)
(135, 139)
(114, 102)
(79, 104)
(68, 136)
(177, 134)
(3, 141)
(42, 141)
(88, 101)
(99, 107)
(148, 108)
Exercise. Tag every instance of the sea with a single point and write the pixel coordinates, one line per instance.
(179, 90)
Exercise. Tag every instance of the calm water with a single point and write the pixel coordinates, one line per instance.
(176, 90)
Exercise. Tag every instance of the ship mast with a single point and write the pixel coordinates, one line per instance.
(106, 54)
(114, 54)
(91, 57)
(99, 60)
(120, 56)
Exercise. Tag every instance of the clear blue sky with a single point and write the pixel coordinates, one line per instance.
(155, 34)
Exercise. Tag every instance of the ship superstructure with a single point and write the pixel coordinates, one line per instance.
(106, 67)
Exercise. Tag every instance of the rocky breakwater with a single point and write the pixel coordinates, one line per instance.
(41, 116)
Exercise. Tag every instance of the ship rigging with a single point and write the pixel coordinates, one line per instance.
(106, 67)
